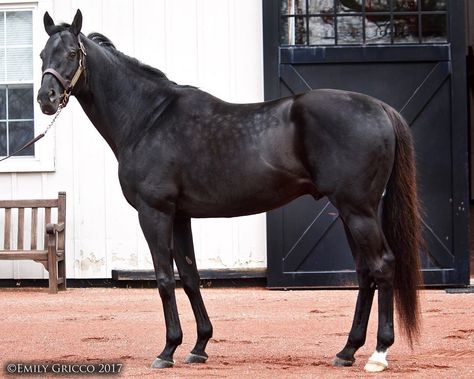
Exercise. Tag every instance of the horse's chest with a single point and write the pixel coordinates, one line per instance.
(129, 187)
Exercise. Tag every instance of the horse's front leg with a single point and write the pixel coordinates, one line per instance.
(158, 229)
(183, 253)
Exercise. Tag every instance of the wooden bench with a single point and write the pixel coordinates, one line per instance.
(49, 248)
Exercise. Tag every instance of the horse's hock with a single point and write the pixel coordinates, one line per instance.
(30, 234)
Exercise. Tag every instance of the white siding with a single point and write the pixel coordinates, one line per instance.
(213, 44)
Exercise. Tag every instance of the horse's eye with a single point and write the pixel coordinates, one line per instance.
(72, 54)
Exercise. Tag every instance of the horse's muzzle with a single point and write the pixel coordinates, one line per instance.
(48, 99)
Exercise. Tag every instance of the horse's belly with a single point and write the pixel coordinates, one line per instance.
(235, 200)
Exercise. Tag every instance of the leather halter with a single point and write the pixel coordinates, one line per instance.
(68, 85)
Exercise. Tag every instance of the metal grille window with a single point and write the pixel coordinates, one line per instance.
(16, 81)
(359, 22)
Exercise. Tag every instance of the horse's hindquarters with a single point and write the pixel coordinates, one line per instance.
(349, 143)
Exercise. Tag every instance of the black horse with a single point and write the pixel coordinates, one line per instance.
(183, 153)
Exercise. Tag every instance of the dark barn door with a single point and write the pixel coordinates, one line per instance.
(408, 53)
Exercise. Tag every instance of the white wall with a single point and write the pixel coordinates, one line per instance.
(213, 44)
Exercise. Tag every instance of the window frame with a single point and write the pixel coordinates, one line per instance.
(44, 158)
(337, 16)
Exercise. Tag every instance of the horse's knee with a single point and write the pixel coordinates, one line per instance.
(166, 287)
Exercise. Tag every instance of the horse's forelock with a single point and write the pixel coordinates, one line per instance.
(60, 28)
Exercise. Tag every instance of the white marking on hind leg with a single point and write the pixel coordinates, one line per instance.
(377, 362)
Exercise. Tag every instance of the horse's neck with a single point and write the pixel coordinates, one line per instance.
(113, 101)
(97, 119)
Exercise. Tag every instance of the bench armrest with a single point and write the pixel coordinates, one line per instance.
(54, 228)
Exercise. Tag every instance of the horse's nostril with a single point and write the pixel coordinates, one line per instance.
(52, 95)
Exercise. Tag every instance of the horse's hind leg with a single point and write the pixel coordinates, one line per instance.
(358, 332)
(186, 264)
(375, 264)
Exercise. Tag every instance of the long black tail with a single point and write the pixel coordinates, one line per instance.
(402, 227)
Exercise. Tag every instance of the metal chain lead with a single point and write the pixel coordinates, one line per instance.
(60, 108)
(38, 137)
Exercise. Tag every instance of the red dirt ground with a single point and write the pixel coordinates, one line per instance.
(257, 333)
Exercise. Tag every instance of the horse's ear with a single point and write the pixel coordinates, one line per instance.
(77, 23)
(48, 24)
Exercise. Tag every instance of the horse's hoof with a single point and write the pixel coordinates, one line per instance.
(161, 363)
(339, 362)
(375, 366)
(377, 362)
(195, 358)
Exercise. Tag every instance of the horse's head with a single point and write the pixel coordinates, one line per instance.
(62, 58)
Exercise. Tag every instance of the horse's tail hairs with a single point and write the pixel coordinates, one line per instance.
(401, 221)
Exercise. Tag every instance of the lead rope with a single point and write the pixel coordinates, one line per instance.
(62, 104)
(39, 136)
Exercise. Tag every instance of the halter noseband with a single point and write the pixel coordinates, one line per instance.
(68, 85)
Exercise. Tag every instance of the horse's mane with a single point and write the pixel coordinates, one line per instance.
(106, 43)
(101, 40)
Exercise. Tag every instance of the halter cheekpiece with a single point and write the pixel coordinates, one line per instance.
(68, 85)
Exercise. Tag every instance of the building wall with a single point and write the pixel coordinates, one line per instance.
(212, 44)
(470, 77)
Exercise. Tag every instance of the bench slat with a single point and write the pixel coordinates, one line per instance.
(8, 220)
(61, 219)
(24, 254)
(47, 220)
(41, 203)
(34, 227)
(21, 228)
